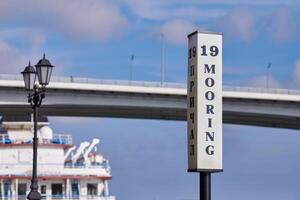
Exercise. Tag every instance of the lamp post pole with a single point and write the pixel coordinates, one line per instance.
(34, 185)
(35, 100)
(36, 94)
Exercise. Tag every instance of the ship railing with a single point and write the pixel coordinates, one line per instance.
(62, 139)
(104, 165)
(57, 139)
(55, 166)
(4, 139)
(84, 197)
(70, 197)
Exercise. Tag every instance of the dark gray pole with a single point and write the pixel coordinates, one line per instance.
(205, 186)
(131, 67)
(162, 67)
(34, 193)
(268, 74)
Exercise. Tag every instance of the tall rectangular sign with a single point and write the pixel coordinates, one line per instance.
(204, 102)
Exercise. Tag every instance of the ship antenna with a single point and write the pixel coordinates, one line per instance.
(131, 66)
(268, 75)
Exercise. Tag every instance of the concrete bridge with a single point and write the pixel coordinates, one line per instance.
(70, 96)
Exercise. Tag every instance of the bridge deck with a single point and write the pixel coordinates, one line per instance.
(72, 96)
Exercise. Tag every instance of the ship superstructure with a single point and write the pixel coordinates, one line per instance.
(64, 171)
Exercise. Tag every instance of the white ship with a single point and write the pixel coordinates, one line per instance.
(64, 171)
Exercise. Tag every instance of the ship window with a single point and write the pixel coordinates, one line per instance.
(43, 189)
(22, 188)
(6, 186)
(92, 189)
(57, 190)
(75, 190)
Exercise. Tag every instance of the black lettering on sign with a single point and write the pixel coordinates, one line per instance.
(210, 150)
(192, 102)
(192, 70)
(210, 109)
(192, 134)
(209, 122)
(192, 52)
(214, 51)
(203, 48)
(210, 69)
(192, 150)
(192, 84)
(209, 82)
(209, 95)
(210, 136)
(192, 117)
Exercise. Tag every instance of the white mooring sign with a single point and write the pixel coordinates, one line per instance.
(204, 102)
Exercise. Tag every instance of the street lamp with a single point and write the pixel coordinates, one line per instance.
(36, 94)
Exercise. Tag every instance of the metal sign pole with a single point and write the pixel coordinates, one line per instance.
(205, 186)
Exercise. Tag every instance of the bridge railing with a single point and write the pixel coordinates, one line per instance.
(72, 79)
(261, 90)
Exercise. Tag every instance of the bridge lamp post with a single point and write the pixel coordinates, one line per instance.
(36, 94)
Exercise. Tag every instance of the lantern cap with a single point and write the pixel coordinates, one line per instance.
(28, 69)
(44, 62)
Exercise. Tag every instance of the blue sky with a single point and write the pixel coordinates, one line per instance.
(96, 38)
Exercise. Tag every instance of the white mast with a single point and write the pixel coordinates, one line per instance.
(80, 150)
(85, 155)
(69, 152)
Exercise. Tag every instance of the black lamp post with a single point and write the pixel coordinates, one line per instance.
(36, 94)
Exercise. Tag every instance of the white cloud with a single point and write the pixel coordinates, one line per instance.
(283, 26)
(239, 24)
(90, 19)
(14, 59)
(261, 82)
(176, 31)
(255, 2)
(11, 60)
(249, 2)
(192, 9)
(170, 9)
(19, 45)
(166, 3)
(246, 23)
(29, 37)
